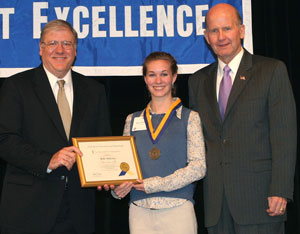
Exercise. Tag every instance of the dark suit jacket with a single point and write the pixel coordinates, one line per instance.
(31, 131)
(251, 154)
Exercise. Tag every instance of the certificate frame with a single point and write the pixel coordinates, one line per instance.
(103, 152)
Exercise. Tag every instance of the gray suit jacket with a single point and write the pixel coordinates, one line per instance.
(251, 154)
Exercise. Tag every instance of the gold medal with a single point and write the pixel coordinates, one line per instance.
(124, 166)
(154, 153)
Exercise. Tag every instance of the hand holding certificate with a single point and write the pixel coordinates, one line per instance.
(107, 160)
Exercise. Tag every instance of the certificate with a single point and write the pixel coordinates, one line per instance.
(107, 160)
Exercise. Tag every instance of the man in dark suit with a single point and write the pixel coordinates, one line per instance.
(41, 190)
(249, 119)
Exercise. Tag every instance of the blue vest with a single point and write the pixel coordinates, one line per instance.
(173, 154)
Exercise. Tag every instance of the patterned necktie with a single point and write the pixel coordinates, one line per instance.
(224, 90)
(64, 108)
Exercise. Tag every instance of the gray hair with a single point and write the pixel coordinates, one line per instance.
(58, 24)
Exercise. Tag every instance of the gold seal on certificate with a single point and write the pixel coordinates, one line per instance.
(124, 166)
(154, 153)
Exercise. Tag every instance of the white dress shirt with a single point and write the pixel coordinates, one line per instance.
(234, 66)
(68, 86)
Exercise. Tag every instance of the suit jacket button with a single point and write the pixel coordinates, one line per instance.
(62, 178)
(224, 141)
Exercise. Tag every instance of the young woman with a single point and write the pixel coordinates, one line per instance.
(171, 151)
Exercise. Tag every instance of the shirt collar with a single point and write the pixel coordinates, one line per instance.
(53, 79)
(234, 63)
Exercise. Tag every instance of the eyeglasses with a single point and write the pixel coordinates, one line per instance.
(52, 45)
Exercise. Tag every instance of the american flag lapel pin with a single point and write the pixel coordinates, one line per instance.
(242, 77)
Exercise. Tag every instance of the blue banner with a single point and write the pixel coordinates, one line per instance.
(114, 36)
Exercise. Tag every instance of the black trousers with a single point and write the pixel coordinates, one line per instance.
(63, 223)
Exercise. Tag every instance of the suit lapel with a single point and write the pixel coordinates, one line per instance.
(241, 79)
(210, 89)
(81, 97)
(45, 95)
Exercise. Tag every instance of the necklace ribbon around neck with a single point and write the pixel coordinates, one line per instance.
(155, 135)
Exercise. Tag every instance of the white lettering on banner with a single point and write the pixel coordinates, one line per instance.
(180, 21)
(5, 12)
(128, 25)
(186, 22)
(98, 21)
(200, 18)
(113, 23)
(81, 10)
(62, 13)
(38, 19)
(165, 21)
(144, 21)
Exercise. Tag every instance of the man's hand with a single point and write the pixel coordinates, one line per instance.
(106, 187)
(65, 157)
(122, 190)
(139, 186)
(277, 206)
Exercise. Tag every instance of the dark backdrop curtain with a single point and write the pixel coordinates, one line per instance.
(275, 26)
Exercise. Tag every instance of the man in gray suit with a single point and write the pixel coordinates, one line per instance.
(248, 111)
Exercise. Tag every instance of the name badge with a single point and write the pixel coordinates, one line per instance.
(138, 124)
